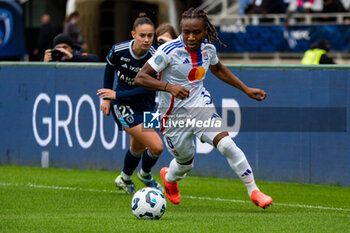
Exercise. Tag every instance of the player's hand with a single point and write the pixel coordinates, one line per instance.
(105, 93)
(255, 93)
(47, 55)
(178, 91)
(163, 39)
(106, 107)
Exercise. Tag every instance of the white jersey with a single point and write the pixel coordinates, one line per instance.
(180, 66)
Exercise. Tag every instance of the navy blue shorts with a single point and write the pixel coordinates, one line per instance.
(125, 115)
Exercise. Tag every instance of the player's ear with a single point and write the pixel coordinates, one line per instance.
(133, 34)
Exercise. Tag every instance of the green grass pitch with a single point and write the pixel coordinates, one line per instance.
(63, 200)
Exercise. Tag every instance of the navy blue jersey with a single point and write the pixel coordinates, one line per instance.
(122, 62)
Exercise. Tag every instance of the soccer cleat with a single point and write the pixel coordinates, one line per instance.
(260, 199)
(127, 185)
(149, 181)
(171, 189)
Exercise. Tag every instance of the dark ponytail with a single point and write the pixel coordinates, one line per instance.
(142, 19)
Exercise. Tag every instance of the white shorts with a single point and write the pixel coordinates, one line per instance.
(178, 137)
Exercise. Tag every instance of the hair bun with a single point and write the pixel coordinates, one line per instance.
(142, 14)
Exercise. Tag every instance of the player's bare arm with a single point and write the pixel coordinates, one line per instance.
(225, 75)
(106, 93)
(106, 107)
(144, 78)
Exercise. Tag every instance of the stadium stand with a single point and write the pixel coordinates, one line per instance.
(278, 38)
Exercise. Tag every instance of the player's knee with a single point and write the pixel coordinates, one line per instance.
(157, 149)
(137, 150)
(184, 156)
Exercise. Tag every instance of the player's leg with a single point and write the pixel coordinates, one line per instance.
(131, 161)
(239, 163)
(133, 155)
(152, 149)
(181, 146)
(140, 139)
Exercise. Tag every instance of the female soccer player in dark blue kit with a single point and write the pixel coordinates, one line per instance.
(128, 102)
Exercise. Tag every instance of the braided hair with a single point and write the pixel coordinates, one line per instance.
(142, 19)
(197, 13)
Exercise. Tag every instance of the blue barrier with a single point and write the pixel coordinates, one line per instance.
(300, 133)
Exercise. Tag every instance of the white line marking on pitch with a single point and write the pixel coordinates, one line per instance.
(280, 204)
(189, 197)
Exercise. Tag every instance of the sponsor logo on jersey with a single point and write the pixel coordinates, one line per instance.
(126, 79)
(135, 69)
(196, 74)
(186, 61)
(125, 59)
(125, 65)
(158, 59)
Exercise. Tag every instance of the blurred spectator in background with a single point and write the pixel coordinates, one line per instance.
(164, 33)
(284, 5)
(332, 6)
(243, 4)
(307, 7)
(264, 7)
(317, 54)
(66, 50)
(304, 5)
(46, 35)
(72, 29)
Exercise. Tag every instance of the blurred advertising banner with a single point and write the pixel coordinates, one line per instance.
(241, 38)
(50, 116)
(12, 40)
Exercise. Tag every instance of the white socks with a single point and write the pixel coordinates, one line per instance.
(238, 162)
(125, 176)
(177, 171)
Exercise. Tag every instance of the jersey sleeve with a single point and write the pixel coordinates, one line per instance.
(213, 55)
(108, 76)
(159, 61)
(111, 57)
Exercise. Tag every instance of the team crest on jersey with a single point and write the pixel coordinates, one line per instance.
(158, 59)
(205, 56)
(130, 119)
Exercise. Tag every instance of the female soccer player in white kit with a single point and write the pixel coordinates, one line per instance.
(183, 64)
